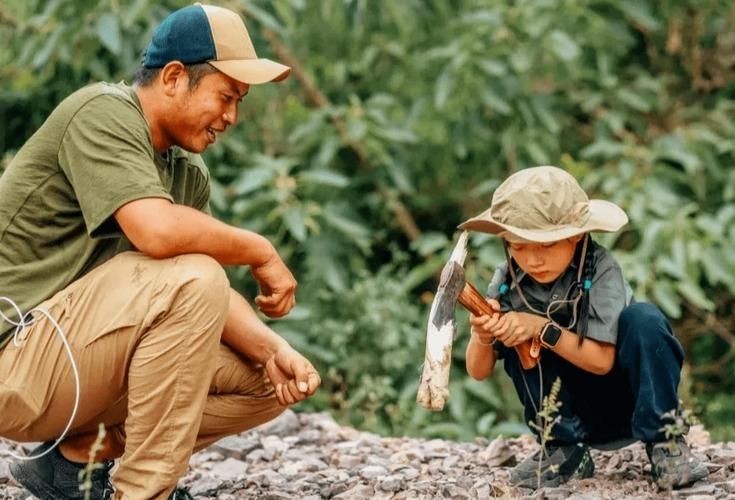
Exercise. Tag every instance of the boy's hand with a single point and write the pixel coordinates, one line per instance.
(481, 327)
(514, 328)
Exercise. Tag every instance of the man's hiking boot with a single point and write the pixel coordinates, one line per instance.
(673, 465)
(558, 465)
(53, 477)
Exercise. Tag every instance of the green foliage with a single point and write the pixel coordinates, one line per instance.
(546, 418)
(399, 121)
(677, 422)
(368, 343)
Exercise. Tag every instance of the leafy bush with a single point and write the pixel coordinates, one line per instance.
(398, 122)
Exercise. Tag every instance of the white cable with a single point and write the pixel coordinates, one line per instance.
(26, 320)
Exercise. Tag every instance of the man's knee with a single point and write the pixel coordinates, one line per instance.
(204, 279)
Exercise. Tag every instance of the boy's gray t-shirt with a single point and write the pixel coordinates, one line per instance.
(609, 295)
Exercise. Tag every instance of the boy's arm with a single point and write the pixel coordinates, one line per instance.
(479, 358)
(592, 356)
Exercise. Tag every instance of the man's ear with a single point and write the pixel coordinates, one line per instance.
(172, 77)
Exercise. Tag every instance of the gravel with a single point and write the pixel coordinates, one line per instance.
(311, 457)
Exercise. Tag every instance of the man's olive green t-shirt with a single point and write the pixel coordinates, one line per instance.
(58, 196)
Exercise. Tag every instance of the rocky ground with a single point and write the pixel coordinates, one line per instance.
(310, 457)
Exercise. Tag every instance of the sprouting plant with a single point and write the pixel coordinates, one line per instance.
(546, 418)
(677, 422)
(85, 475)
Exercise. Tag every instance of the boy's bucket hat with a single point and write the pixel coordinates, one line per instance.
(542, 205)
(205, 33)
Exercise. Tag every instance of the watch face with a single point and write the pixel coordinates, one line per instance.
(550, 335)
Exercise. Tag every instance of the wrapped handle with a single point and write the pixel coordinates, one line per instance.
(529, 351)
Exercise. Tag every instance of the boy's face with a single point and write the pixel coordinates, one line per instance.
(544, 262)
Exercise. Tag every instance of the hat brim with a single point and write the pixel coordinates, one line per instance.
(604, 216)
(253, 71)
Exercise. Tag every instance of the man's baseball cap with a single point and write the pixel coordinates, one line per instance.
(209, 34)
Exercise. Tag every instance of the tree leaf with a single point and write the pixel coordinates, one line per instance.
(324, 178)
(563, 45)
(108, 31)
(295, 222)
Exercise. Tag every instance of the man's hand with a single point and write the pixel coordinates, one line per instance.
(277, 287)
(292, 375)
(514, 328)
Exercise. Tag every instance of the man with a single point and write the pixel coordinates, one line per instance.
(104, 222)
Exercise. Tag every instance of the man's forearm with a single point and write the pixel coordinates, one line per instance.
(177, 229)
(247, 334)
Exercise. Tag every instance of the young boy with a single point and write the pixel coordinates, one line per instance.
(617, 359)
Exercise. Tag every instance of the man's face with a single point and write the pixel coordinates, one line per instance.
(203, 112)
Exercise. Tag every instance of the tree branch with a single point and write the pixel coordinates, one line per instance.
(403, 216)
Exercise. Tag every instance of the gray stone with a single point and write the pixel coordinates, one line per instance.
(230, 468)
(373, 472)
(284, 425)
(347, 461)
(4, 471)
(728, 486)
(357, 492)
(392, 483)
(236, 446)
(273, 446)
(206, 486)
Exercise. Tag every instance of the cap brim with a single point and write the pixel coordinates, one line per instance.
(253, 71)
(604, 217)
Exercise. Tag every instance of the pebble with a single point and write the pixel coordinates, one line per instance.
(311, 457)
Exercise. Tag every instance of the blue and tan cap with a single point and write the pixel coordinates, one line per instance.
(205, 33)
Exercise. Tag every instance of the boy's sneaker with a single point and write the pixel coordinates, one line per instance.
(558, 465)
(53, 477)
(673, 465)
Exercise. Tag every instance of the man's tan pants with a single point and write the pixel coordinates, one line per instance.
(145, 335)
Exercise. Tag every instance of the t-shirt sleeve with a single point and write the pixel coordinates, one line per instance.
(106, 155)
(493, 292)
(201, 185)
(607, 300)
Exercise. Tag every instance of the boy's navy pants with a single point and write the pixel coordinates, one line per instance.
(628, 402)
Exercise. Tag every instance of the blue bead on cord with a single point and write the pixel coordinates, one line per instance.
(503, 289)
(587, 284)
